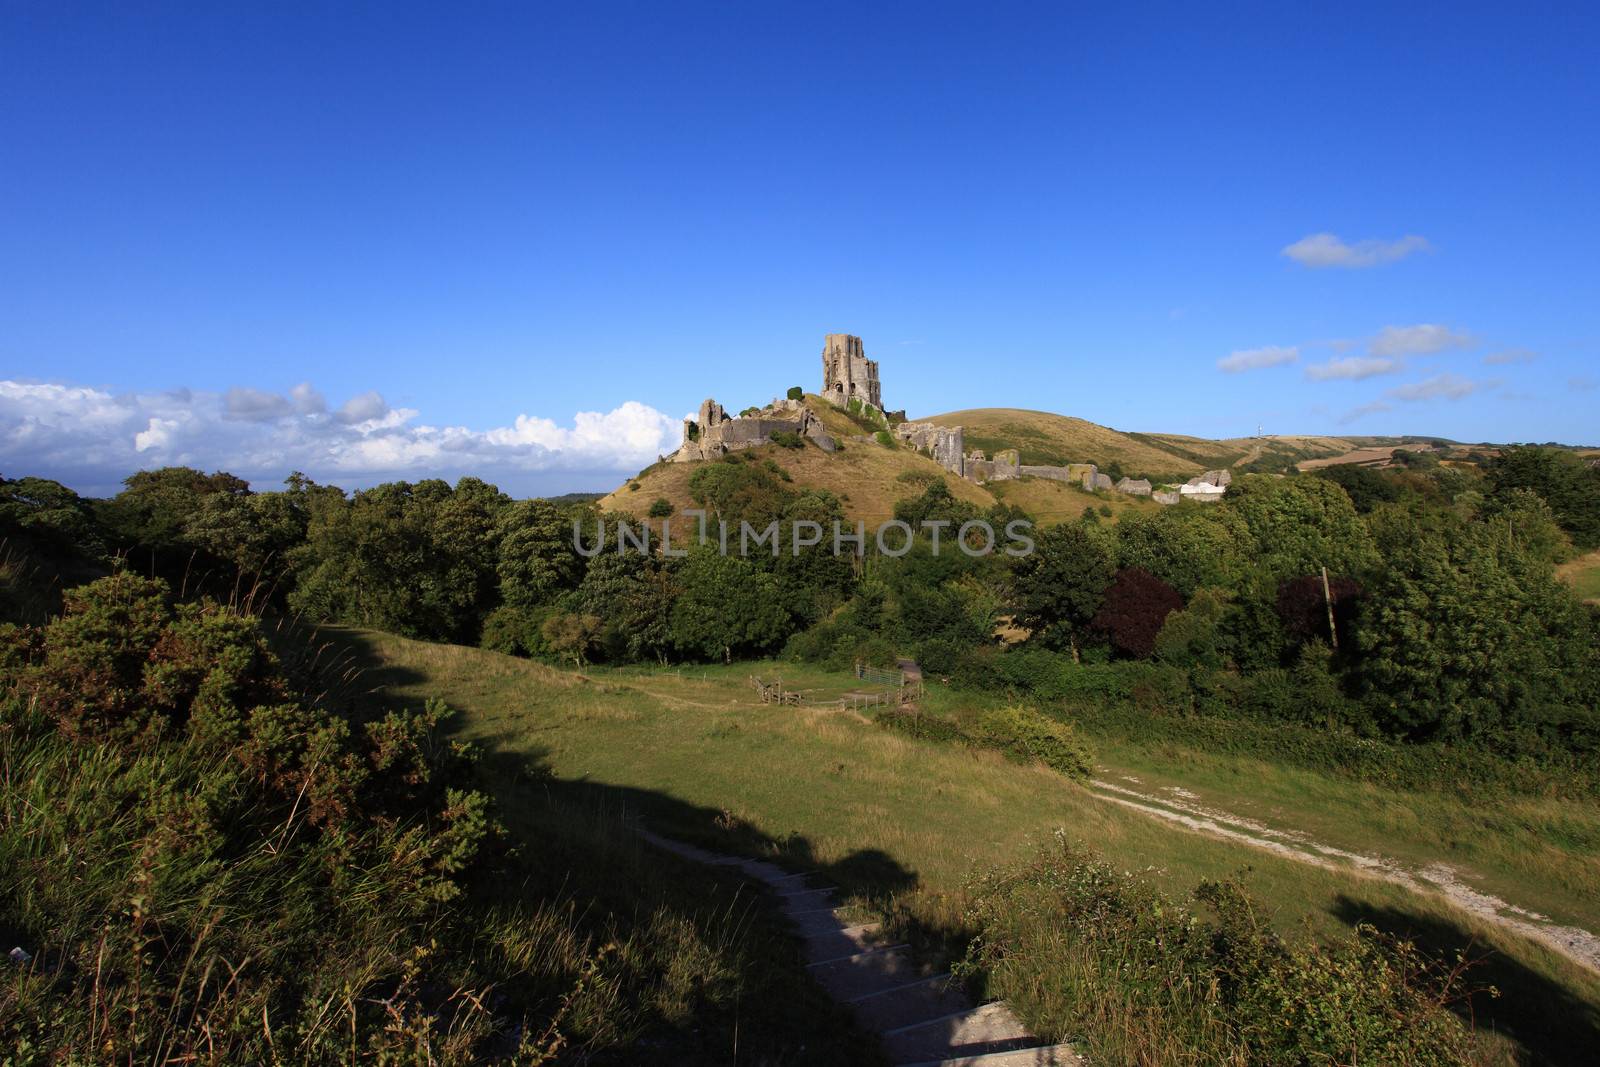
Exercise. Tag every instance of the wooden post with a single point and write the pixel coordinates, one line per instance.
(1327, 599)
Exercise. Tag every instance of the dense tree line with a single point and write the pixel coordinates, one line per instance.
(1417, 603)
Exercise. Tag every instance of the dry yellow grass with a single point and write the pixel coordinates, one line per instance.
(1043, 437)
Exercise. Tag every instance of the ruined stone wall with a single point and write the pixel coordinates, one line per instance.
(944, 443)
(714, 434)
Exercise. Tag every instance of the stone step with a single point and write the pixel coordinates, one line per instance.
(842, 941)
(821, 921)
(809, 900)
(866, 972)
(973, 1032)
(1040, 1056)
(903, 1005)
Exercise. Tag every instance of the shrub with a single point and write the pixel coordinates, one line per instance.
(884, 438)
(661, 508)
(1027, 736)
(796, 393)
(923, 727)
(788, 439)
(1153, 980)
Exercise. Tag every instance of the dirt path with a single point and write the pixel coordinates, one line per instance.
(1177, 805)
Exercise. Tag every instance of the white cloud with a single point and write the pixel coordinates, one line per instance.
(1255, 358)
(306, 400)
(1424, 339)
(1440, 386)
(1353, 368)
(93, 438)
(157, 435)
(1328, 250)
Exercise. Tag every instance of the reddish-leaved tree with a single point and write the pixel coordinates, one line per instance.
(1136, 605)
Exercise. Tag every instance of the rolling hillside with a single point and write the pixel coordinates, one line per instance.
(870, 477)
(1044, 438)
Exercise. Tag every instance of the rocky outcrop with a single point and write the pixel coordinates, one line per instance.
(847, 373)
(1134, 486)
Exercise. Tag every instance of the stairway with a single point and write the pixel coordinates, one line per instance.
(923, 1019)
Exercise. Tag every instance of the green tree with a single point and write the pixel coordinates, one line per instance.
(1300, 525)
(727, 607)
(1466, 634)
(535, 558)
(796, 393)
(1566, 482)
(1059, 586)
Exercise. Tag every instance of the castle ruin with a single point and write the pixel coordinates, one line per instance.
(847, 373)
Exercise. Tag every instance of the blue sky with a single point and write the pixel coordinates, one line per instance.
(393, 240)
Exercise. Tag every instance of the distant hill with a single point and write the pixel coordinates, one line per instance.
(1044, 438)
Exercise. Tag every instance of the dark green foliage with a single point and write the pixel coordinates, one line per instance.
(633, 596)
(1366, 488)
(1061, 584)
(218, 818)
(48, 514)
(415, 559)
(795, 393)
(1464, 635)
(660, 508)
(154, 508)
(1298, 525)
(1567, 483)
(536, 560)
(1187, 547)
(727, 606)
(1156, 979)
(788, 439)
(936, 503)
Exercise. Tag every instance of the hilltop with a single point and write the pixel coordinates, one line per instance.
(869, 475)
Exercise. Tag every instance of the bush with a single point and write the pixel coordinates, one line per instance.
(923, 727)
(1027, 736)
(884, 438)
(1069, 941)
(788, 439)
(661, 508)
(796, 393)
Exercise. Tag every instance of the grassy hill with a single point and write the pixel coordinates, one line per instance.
(902, 824)
(1044, 438)
(870, 477)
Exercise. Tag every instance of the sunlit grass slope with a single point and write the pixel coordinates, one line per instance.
(694, 754)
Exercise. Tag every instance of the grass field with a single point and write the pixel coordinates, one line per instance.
(1583, 574)
(904, 823)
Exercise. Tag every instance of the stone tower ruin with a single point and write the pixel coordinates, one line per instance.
(847, 373)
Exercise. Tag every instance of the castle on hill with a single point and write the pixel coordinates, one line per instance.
(850, 381)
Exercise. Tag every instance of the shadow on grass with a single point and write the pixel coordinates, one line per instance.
(1554, 1026)
(573, 842)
